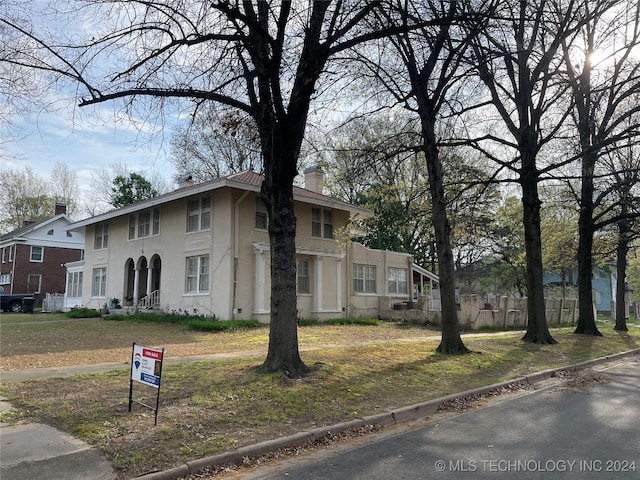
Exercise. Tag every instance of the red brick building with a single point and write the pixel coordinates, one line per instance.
(33, 257)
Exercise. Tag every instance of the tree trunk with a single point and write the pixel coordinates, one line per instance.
(281, 134)
(537, 329)
(283, 354)
(280, 149)
(451, 342)
(621, 269)
(586, 319)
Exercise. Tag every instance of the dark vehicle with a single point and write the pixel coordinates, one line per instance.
(12, 303)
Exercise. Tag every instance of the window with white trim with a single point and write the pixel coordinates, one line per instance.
(398, 281)
(262, 216)
(197, 280)
(11, 253)
(102, 236)
(364, 278)
(144, 223)
(37, 254)
(74, 284)
(4, 250)
(199, 214)
(321, 222)
(155, 222)
(34, 282)
(5, 279)
(99, 282)
(303, 282)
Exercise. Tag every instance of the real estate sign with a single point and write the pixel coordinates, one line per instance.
(146, 366)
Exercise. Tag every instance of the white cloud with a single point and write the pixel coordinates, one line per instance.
(85, 142)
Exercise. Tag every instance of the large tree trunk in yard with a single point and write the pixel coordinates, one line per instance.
(621, 270)
(277, 192)
(451, 342)
(283, 354)
(586, 319)
(537, 329)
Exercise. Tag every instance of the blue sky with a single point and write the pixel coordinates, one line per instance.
(86, 141)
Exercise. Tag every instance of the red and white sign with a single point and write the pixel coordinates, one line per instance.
(147, 365)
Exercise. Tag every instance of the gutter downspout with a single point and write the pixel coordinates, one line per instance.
(236, 234)
(349, 281)
(14, 258)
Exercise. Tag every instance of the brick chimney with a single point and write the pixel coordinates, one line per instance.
(313, 179)
(61, 208)
(185, 181)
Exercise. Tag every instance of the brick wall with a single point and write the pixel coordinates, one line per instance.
(51, 268)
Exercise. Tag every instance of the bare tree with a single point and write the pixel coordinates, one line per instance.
(265, 59)
(20, 91)
(622, 213)
(24, 197)
(216, 144)
(64, 187)
(430, 57)
(517, 59)
(601, 90)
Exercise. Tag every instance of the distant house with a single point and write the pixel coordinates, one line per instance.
(33, 257)
(603, 285)
(204, 248)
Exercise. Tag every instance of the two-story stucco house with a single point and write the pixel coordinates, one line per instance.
(33, 256)
(204, 249)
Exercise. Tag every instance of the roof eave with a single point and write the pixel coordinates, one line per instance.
(207, 187)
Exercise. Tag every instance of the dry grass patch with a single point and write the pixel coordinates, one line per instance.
(210, 407)
(52, 340)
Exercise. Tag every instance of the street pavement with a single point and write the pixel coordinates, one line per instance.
(589, 432)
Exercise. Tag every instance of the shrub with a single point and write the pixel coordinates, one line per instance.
(192, 322)
(207, 325)
(82, 313)
(353, 321)
(306, 322)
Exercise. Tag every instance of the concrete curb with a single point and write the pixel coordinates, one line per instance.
(403, 414)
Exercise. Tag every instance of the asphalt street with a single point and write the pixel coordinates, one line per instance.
(555, 433)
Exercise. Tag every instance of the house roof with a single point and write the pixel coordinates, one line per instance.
(20, 234)
(247, 180)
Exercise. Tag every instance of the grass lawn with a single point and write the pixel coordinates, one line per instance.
(210, 407)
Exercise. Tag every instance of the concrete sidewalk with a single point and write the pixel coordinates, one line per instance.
(37, 452)
(40, 452)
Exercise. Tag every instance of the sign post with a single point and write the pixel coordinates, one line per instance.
(146, 368)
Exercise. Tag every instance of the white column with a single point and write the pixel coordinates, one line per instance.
(149, 278)
(136, 285)
(259, 282)
(339, 284)
(317, 284)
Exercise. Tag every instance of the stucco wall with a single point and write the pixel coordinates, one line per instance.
(239, 270)
(371, 304)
